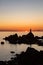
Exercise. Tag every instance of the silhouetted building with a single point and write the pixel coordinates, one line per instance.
(30, 34)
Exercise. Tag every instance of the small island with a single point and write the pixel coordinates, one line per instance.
(25, 39)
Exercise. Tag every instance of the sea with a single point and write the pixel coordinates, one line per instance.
(6, 48)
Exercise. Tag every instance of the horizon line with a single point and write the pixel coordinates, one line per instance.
(20, 30)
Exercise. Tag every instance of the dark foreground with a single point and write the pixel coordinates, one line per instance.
(30, 57)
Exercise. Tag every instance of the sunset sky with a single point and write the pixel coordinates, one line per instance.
(21, 14)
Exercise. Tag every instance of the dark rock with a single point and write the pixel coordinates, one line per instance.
(12, 52)
(25, 39)
(2, 43)
(30, 57)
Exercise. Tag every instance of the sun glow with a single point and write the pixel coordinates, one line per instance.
(17, 15)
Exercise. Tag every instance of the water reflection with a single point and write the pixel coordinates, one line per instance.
(6, 48)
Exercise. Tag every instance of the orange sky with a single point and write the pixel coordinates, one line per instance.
(21, 15)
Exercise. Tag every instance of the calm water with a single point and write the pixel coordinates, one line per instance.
(6, 48)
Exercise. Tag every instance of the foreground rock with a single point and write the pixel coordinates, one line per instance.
(30, 57)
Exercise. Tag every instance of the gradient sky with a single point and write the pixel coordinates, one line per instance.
(21, 14)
